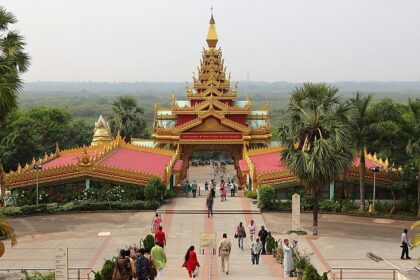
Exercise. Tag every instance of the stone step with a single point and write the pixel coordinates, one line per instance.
(204, 211)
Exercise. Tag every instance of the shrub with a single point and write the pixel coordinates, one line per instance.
(151, 205)
(154, 189)
(11, 211)
(39, 276)
(33, 209)
(271, 244)
(267, 196)
(107, 269)
(149, 242)
(171, 193)
(251, 194)
(329, 205)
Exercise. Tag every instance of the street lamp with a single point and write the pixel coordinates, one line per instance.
(375, 170)
(37, 167)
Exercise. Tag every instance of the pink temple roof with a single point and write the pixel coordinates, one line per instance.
(177, 166)
(243, 165)
(137, 160)
(369, 163)
(268, 162)
(66, 160)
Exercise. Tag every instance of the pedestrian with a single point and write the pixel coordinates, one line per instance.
(256, 248)
(213, 188)
(187, 188)
(224, 251)
(222, 191)
(232, 189)
(158, 257)
(194, 188)
(206, 186)
(133, 263)
(160, 237)
(209, 204)
(404, 246)
(287, 259)
(144, 267)
(262, 234)
(252, 227)
(153, 271)
(156, 222)
(191, 263)
(122, 270)
(240, 234)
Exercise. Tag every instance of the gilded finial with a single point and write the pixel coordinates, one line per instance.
(57, 148)
(212, 34)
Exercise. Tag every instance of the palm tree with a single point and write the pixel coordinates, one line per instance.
(127, 118)
(6, 230)
(316, 142)
(362, 128)
(13, 62)
(410, 126)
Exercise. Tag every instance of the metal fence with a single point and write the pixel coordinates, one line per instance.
(364, 273)
(75, 273)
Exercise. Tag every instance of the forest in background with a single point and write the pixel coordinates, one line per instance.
(87, 100)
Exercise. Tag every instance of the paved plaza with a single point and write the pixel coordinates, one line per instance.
(343, 240)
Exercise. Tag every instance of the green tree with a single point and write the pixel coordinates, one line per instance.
(13, 62)
(127, 118)
(316, 142)
(363, 128)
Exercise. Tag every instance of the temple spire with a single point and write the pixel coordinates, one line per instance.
(212, 34)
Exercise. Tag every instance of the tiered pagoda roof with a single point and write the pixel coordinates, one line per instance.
(211, 105)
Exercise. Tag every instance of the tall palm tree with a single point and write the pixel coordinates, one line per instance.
(316, 139)
(127, 118)
(410, 125)
(6, 230)
(13, 62)
(362, 128)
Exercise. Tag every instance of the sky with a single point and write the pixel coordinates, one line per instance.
(266, 40)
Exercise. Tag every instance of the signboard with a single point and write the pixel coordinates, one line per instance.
(61, 262)
(295, 212)
(210, 136)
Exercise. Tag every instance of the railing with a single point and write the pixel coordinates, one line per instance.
(74, 272)
(364, 273)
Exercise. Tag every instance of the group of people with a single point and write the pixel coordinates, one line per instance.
(190, 188)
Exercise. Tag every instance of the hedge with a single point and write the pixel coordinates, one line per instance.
(79, 206)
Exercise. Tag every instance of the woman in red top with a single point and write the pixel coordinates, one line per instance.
(191, 262)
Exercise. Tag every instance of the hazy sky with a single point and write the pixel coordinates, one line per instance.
(274, 40)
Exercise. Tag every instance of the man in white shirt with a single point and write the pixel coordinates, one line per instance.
(404, 241)
(256, 248)
(252, 229)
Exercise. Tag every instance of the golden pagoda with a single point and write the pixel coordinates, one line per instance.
(101, 133)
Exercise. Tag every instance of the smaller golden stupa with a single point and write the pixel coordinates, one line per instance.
(101, 133)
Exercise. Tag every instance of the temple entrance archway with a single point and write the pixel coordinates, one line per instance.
(187, 151)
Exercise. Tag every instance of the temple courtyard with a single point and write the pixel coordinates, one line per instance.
(93, 237)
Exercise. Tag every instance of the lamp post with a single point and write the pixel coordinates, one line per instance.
(375, 170)
(37, 167)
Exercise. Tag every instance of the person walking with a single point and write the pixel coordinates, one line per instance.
(404, 246)
(144, 267)
(262, 234)
(232, 189)
(160, 237)
(222, 190)
(194, 188)
(256, 248)
(191, 262)
(209, 204)
(187, 188)
(156, 222)
(206, 186)
(224, 252)
(287, 259)
(240, 234)
(158, 257)
(122, 270)
(213, 188)
(252, 227)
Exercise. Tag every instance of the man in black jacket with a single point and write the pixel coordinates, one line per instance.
(262, 234)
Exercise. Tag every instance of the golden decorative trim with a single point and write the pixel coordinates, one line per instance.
(265, 150)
